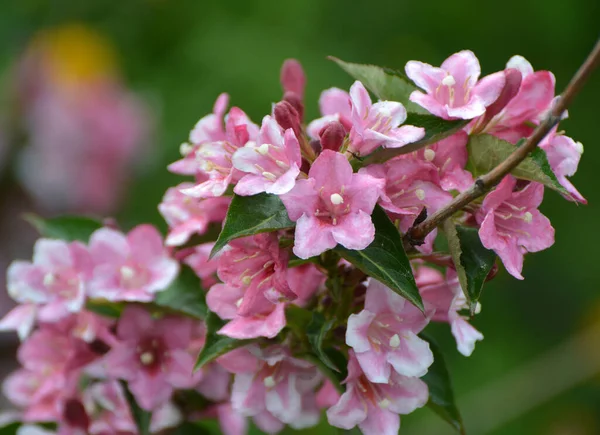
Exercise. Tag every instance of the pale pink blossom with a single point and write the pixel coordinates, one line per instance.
(187, 216)
(50, 287)
(332, 206)
(374, 408)
(152, 356)
(384, 336)
(454, 90)
(271, 163)
(305, 280)
(444, 299)
(110, 412)
(511, 224)
(132, 267)
(335, 106)
(205, 267)
(166, 416)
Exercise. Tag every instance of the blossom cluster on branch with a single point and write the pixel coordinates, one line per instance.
(308, 301)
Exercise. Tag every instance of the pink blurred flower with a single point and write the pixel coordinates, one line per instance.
(335, 106)
(453, 90)
(511, 224)
(384, 336)
(332, 206)
(130, 267)
(152, 356)
(375, 407)
(205, 268)
(110, 412)
(186, 215)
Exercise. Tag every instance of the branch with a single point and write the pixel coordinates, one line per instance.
(489, 180)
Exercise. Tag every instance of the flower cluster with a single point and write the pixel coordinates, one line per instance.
(128, 326)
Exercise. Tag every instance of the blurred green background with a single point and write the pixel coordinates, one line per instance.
(182, 54)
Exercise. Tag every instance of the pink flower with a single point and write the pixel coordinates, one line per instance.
(152, 356)
(332, 206)
(205, 268)
(563, 155)
(279, 384)
(384, 336)
(257, 264)
(375, 125)
(55, 281)
(130, 267)
(266, 320)
(107, 404)
(375, 407)
(186, 215)
(410, 186)
(214, 158)
(271, 163)
(335, 106)
(444, 298)
(453, 90)
(450, 157)
(305, 280)
(511, 224)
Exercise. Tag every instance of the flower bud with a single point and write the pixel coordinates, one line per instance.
(292, 78)
(75, 415)
(332, 136)
(296, 102)
(287, 117)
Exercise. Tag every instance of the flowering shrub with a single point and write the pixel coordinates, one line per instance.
(340, 240)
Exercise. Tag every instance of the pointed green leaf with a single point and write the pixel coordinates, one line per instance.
(472, 260)
(249, 215)
(385, 83)
(215, 344)
(441, 395)
(316, 331)
(184, 295)
(385, 260)
(68, 228)
(487, 151)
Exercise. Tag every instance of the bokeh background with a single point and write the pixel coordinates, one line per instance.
(537, 370)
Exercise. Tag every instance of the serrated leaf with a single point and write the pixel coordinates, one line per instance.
(385, 83)
(472, 260)
(68, 228)
(215, 344)
(316, 331)
(487, 151)
(385, 260)
(184, 295)
(441, 394)
(249, 215)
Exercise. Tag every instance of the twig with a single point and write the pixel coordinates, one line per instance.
(489, 180)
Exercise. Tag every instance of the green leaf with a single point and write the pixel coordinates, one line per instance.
(385, 83)
(68, 228)
(385, 260)
(487, 151)
(142, 417)
(472, 260)
(10, 429)
(441, 395)
(249, 215)
(184, 295)
(216, 345)
(317, 330)
(105, 308)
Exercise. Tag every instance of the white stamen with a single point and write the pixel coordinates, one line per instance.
(579, 147)
(394, 341)
(448, 80)
(420, 193)
(281, 164)
(185, 148)
(336, 199)
(269, 176)
(385, 403)
(528, 217)
(239, 302)
(247, 280)
(429, 154)
(269, 382)
(127, 272)
(263, 149)
(477, 308)
(49, 279)
(147, 358)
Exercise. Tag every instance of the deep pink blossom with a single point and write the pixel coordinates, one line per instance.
(152, 356)
(130, 267)
(511, 224)
(332, 206)
(384, 336)
(51, 287)
(271, 163)
(374, 408)
(444, 299)
(186, 215)
(454, 90)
